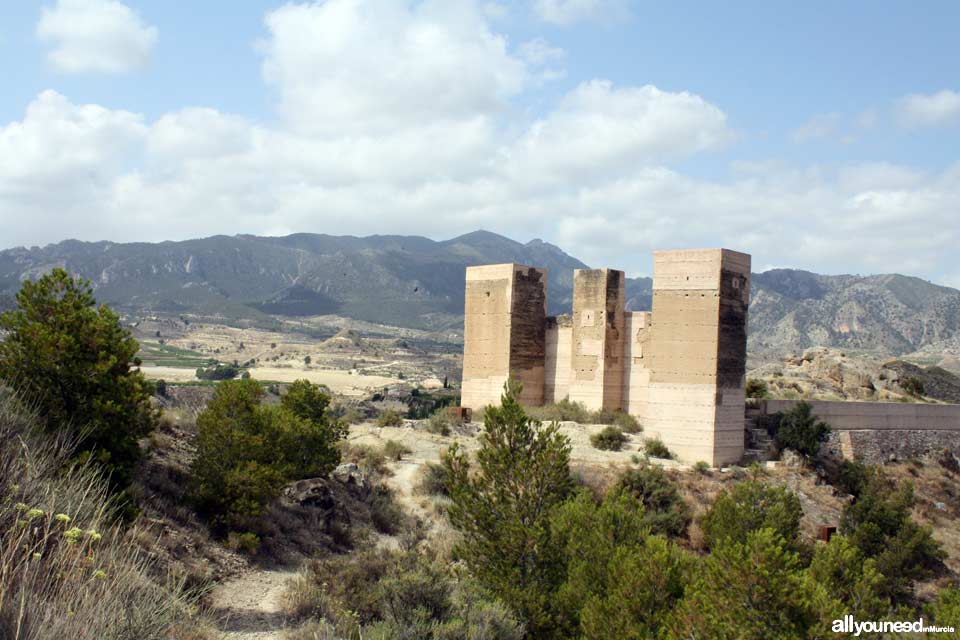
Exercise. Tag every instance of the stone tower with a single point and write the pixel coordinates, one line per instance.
(504, 333)
(596, 377)
(697, 353)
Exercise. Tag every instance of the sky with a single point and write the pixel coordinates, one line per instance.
(814, 135)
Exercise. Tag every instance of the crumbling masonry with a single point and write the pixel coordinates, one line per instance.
(679, 369)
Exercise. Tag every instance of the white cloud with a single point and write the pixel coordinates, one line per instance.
(824, 125)
(96, 36)
(601, 130)
(933, 110)
(566, 12)
(595, 172)
(348, 66)
(539, 52)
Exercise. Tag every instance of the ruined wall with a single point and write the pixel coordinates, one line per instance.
(879, 431)
(698, 353)
(504, 333)
(636, 374)
(559, 338)
(596, 377)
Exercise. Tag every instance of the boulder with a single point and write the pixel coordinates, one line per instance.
(350, 473)
(312, 492)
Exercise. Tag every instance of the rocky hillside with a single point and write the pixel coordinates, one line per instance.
(884, 314)
(831, 374)
(413, 281)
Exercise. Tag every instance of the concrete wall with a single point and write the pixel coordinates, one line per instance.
(504, 333)
(879, 416)
(875, 432)
(559, 338)
(596, 378)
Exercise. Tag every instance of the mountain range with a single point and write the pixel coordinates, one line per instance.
(414, 281)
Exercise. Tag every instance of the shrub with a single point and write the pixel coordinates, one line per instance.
(664, 510)
(394, 450)
(609, 439)
(563, 411)
(627, 423)
(748, 589)
(371, 460)
(913, 386)
(757, 388)
(386, 515)
(433, 480)
(61, 551)
(750, 506)
(77, 364)
(389, 418)
(161, 386)
(702, 467)
(619, 580)
(247, 451)
(441, 422)
(502, 509)
(248, 543)
(388, 596)
(655, 448)
(800, 430)
(879, 524)
(218, 372)
(624, 421)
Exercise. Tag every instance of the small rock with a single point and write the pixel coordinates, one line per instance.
(312, 492)
(350, 473)
(940, 506)
(790, 458)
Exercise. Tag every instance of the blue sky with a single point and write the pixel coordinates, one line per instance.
(814, 135)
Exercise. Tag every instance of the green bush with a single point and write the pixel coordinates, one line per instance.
(394, 450)
(247, 451)
(389, 418)
(748, 507)
(218, 372)
(248, 543)
(388, 596)
(749, 589)
(78, 366)
(609, 439)
(800, 430)
(879, 523)
(67, 570)
(385, 514)
(655, 448)
(913, 386)
(702, 467)
(503, 509)
(757, 388)
(441, 422)
(563, 411)
(433, 480)
(664, 510)
(624, 421)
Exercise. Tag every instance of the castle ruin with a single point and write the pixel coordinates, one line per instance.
(678, 368)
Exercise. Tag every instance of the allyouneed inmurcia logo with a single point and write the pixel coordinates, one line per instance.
(848, 624)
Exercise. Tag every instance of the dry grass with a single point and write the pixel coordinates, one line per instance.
(66, 571)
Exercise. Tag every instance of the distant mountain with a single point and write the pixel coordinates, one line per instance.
(891, 314)
(418, 282)
(399, 280)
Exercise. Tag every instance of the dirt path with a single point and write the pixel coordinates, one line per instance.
(250, 605)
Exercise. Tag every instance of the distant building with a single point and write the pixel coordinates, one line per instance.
(679, 369)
